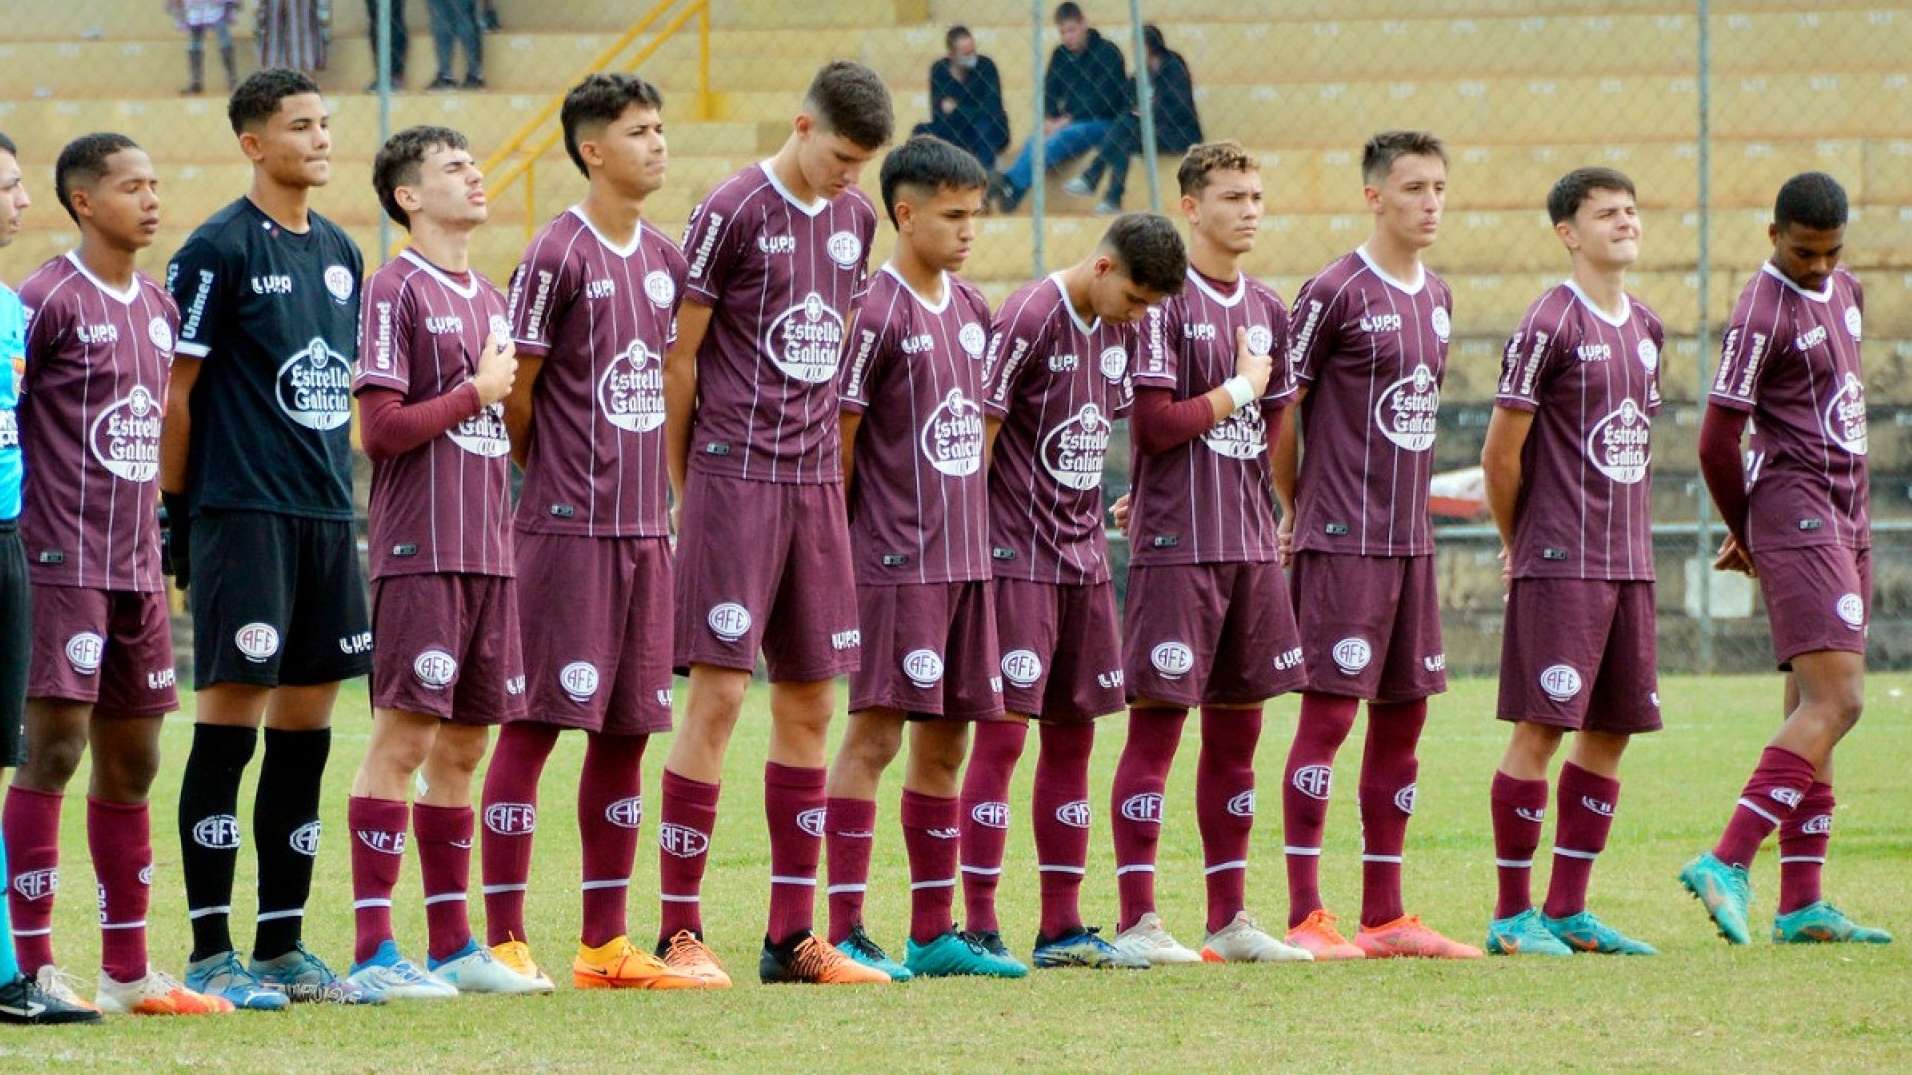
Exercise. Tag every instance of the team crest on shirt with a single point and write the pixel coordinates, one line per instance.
(435, 668)
(1072, 452)
(1172, 660)
(659, 288)
(161, 333)
(125, 437)
(315, 387)
(845, 249)
(1405, 411)
(952, 439)
(1851, 608)
(1021, 668)
(1114, 362)
(924, 667)
(1846, 416)
(1261, 340)
(1440, 323)
(1649, 356)
(805, 340)
(631, 392)
(1560, 682)
(1242, 435)
(1854, 321)
(338, 283)
(85, 651)
(1620, 445)
(972, 338)
(499, 327)
(483, 434)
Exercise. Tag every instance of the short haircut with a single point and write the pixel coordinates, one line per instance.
(257, 98)
(849, 99)
(400, 163)
(83, 163)
(1574, 188)
(1379, 155)
(955, 34)
(1811, 200)
(1069, 11)
(1153, 41)
(1208, 158)
(597, 102)
(1148, 250)
(7, 145)
(926, 162)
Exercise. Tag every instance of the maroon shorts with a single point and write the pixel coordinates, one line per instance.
(1581, 654)
(930, 650)
(1221, 634)
(762, 565)
(1370, 626)
(112, 649)
(1061, 654)
(447, 646)
(1818, 598)
(596, 614)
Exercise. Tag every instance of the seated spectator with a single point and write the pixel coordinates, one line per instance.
(965, 100)
(1176, 125)
(1083, 94)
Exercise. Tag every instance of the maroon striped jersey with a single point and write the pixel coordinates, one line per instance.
(600, 317)
(1058, 384)
(444, 506)
(1370, 352)
(919, 508)
(780, 276)
(97, 362)
(1791, 359)
(1209, 500)
(1592, 383)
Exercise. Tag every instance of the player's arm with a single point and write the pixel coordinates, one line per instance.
(175, 428)
(1724, 471)
(390, 427)
(680, 390)
(991, 426)
(1162, 422)
(849, 421)
(1507, 434)
(518, 408)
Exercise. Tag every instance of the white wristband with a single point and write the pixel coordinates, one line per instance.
(1239, 390)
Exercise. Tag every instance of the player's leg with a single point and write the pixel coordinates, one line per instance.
(510, 808)
(692, 781)
(1517, 807)
(56, 738)
(1225, 814)
(871, 740)
(610, 809)
(226, 719)
(985, 813)
(378, 815)
(931, 818)
(1136, 811)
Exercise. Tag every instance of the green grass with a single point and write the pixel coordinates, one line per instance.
(1700, 1007)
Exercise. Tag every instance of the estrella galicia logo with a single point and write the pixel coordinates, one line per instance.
(315, 387)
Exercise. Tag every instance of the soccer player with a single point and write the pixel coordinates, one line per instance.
(256, 465)
(1568, 467)
(1057, 376)
(919, 530)
(1208, 621)
(1368, 346)
(1797, 520)
(591, 311)
(777, 253)
(437, 365)
(99, 337)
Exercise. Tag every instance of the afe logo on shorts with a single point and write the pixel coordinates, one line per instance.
(845, 249)
(1314, 781)
(579, 680)
(338, 282)
(1146, 807)
(435, 668)
(305, 838)
(811, 821)
(511, 819)
(1852, 609)
(1560, 682)
(990, 815)
(1351, 655)
(729, 621)
(1261, 340)
(1021, 667)
(382, 841)
(85, 651)
(1404, 799)
(626, 813)
(681, 841)
(1114, 362)
(1243, 805)
(37, 884)
(220, 832)
(972, 338)
(923, 667)
(1075, 815)
(257, 641)
(1440, 323)
(1405, 410)
(659, 288)
(1597, 806)
(1787, 797)
(1817, 826)
(1172, 659)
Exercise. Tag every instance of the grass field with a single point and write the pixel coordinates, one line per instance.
(1700, 1007)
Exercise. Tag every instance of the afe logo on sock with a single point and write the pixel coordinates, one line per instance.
(1529, 814)
(1404, 800)
(305, 838)
(626, 813)
(1075, 814)
(1788, 796)
(220, 832)
(993, 815)
(37, 884)
(1314, 781)
(1818, 826)
(682, 841)
(146, 876)
(511, 819)
(1243, 805)
(385, 843)
(811, 821)
(1598, 806)
(942, 834)
(1146, 807)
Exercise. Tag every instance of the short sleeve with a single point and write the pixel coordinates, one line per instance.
(870, 350)
(1528, 357)
(197, 280)
(712, 240)
(1013, 341)
(1159, 364)
(385, 338)
(542, 290)
(1313, 329)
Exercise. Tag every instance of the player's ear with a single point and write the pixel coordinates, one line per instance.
(1568, 236)
(250, 146)
(905, 215)
(1188, 207)
(805, 124)
(1372, 195)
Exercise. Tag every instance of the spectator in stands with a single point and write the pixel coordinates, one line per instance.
(1083, 94)
(293, 34)
(965, 100)
(492, 22)
(455, 22)
(1176, 125)
(401, 43)
(195, 17)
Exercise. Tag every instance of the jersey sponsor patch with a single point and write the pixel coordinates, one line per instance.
(1073, 451)
(952, 439)
(125, 437)
(806, 340)
(483, 434)
(631, 392)
(1405, 410)
(315, 387)
(1620, 445)
(1846, 416)
(1242, 435)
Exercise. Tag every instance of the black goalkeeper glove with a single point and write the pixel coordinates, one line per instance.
(175, 538)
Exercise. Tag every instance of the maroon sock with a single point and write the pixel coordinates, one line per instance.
(849, 832)
(1322, 727)
(1388, 773)
(985, 816)
(1061, 812)
(1225, 807)
(1585, 804)
(1517, 807)
(1135, 805)
(31, 827)
(1804, 838)
(610, 811)
(120, 835)
(444, 864)
(511, 819)
(689, 816)
(930, 841)
(378, 849)
(793, 805)
(1776, 787)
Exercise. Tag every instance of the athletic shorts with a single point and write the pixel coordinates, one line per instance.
(765, 566)
(448, 647)
(16, 644)
(112, 649)
(1220, 634)
(596, 617)
(1370, 626)
(276, 599)
(1581, 655)
(1818, 598)
(929, 650)
(1061, 652)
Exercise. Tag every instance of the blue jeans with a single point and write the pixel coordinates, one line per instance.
(1071, 141)
(456, 21)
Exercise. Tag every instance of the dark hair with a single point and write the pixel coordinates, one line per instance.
(7, 144)
(1153, 41)
(1811, 200)
(598, 101)
(83, 163)
(1208, 158)
(400, 160)
(1573, 189)
(926, 162)
(849, 99)
(1069, 11)
(1379, 155)
(257, 98)
(955, 34)
(1148, 250)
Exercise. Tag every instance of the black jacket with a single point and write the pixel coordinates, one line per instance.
(1086, 85)
(1177, 127)
(978, 96)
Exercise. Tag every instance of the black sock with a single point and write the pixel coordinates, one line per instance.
(286, 825)
(209, 829)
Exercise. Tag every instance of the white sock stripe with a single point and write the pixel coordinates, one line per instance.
(141, 924)
(1748, 804)
(47, 932)
(274, 916)
(803, 882)
(1311, 852)
(201, 912)
(444, 897)
(1514, 864)
(1584, 856)
(844, 890)
(986, 871)
(668, 897)
(1394, 860)
(1224, 867)
(1783, 859)
(1077, 870)
(361, 905)
(597, 886)
(494, 890)
(1141, 868)
(918, 886)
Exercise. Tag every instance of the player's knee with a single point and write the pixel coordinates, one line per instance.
(870, 748)
(51, 760)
